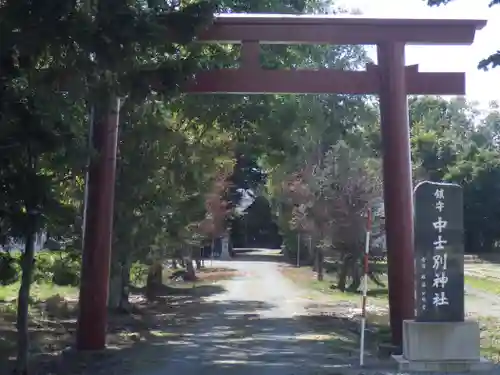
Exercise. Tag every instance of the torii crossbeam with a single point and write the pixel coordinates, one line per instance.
(390, 79)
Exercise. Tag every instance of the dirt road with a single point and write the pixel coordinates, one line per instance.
(258, 325)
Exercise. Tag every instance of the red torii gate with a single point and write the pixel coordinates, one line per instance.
(390, 79)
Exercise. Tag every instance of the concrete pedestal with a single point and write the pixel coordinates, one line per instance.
(436, 346)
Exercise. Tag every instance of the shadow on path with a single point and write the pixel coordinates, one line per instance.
(256, 323)
(243, 338)
(52, 331)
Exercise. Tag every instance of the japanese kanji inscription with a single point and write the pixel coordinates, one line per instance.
(439, 252)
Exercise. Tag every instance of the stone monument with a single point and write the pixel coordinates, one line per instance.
(440, 339)
(224, 255)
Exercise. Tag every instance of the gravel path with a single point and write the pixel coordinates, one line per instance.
(259, 325)
(264, 324)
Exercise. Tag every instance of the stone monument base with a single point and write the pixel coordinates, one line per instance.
(405, 365)
(441, 346)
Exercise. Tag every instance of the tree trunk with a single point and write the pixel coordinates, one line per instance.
(314, 257)
(178, 258)
(319, 264)
(190, 271)
(154, 280)
(374, 277)
(114, 286)
(27, 265)
(124, 302)
(310, 254)
(488, 243)
(197, 258)
(125, 285)
(119, 281)
(342, 276)
(356, 276)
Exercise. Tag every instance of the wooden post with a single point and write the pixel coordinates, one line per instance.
(298, 249)
(92, 321)
(398, 198)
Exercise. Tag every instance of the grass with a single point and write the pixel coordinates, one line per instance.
(304, 277)
(44, 290)
(490, 326)
(39, 291)
(483, 284)
(343, 304)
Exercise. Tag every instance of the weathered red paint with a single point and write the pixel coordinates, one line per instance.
(397, 184)
(390, 79)
(92, 320)
(321, 29)
(236, 81)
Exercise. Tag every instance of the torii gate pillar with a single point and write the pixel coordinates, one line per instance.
(397, 183)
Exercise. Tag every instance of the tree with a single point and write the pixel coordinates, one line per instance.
(41, 150)
(330, 201)
(167, 173)
(87, 52)
(453, 141)
(40, 138)
(491, 61)
(478, 175)
(256, 226)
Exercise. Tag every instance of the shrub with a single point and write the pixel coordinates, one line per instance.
(9, 269)
(44, 264)
(66, 269)
(58, 267)
(138, 274)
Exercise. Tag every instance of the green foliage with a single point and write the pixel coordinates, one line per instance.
(491, 61)
(479, 176)
(59, 60)
(138, 274)
(453, 141)
(8, 269)
(66, 271)
(60, 268)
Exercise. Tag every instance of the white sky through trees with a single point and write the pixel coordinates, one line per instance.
(481, 86)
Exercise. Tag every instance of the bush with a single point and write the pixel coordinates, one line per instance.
(58, 267)
(9, 269)
(44, 264)
(138, 274)
(66, 270)
(290, 244)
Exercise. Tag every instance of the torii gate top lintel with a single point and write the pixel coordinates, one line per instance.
(252, 30)
(326, 29)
